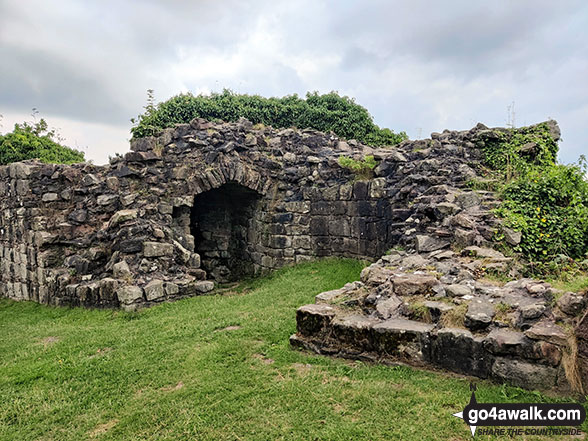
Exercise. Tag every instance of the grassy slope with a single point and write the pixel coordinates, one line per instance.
(174, 372)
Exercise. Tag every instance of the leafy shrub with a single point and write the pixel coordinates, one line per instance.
(545, 201)
(35, 141)
(328, 112)
(361, 168)
(549, 205)
(514, 151)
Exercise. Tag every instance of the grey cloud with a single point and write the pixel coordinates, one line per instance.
(417, 65)
(35, 79)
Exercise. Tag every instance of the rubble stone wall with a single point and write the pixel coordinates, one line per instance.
(124, 234)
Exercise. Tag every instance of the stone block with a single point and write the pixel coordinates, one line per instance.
(406, 339)
(154, 290)
(129, 294)
(459, 351)
(157, 249)
(314, 320)
(523, 374)
(410, 284)
(355, 331)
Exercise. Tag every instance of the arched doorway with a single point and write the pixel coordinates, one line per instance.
(222, 223)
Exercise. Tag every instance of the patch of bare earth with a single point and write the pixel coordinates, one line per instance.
(229, 328)
(302, 368)
(170, 388)
(49, 340)
(100, 352)
(103, 428)
(263, 359)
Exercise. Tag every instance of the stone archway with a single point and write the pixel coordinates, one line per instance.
(222, 224)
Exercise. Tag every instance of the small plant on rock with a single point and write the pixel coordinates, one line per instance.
(363, 169)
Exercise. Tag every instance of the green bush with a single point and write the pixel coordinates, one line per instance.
(361, 168)
(545, 201)
(328, 112)
(549, 206)
(514, 151)
(35, 141)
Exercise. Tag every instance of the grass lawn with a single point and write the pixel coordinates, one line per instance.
(214, 368)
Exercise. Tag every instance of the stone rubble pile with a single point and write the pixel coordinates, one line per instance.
(432, 309)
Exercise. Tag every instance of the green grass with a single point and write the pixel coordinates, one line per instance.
(175, 372)
(575, 283)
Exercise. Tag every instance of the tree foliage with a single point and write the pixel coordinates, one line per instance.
(328, 112)
(35, 141)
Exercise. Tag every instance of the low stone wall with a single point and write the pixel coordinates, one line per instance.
(429, 309)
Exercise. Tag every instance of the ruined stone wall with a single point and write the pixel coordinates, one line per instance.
(124, 234)
(213, 202)
(430, 303)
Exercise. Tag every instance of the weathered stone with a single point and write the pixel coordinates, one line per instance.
(523, 374)
(459, 351)
(78, 263)
(415, 261)
(390, 307)
(406, 339)
(121, 270)
(456, 290)
(409, 284)
(171, 289)
(355, 330)
(479, 314)
(572, 303)
(425, 244)
(375, 275)
(43, 238)
(446, 208)
(314, 320)
(90, 179)
(512, 237)
(106, 199)
(437, 309)
(549, 332)
(532, 310)
(129, 294)
(112, 183)
(157, 249)
(467, 199)
(505, 341)
(78, 216)
(50, 197)
(122, 216)
(183, 254)
(329, 297)
(464, 221)
(486, 253)
(20, 170)
(204, 286)
(154, 290)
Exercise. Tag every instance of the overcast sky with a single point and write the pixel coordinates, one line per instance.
(417, 66)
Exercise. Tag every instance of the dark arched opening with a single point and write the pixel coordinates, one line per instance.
(221, 223)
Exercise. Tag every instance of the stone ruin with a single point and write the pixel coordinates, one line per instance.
(215, 202)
